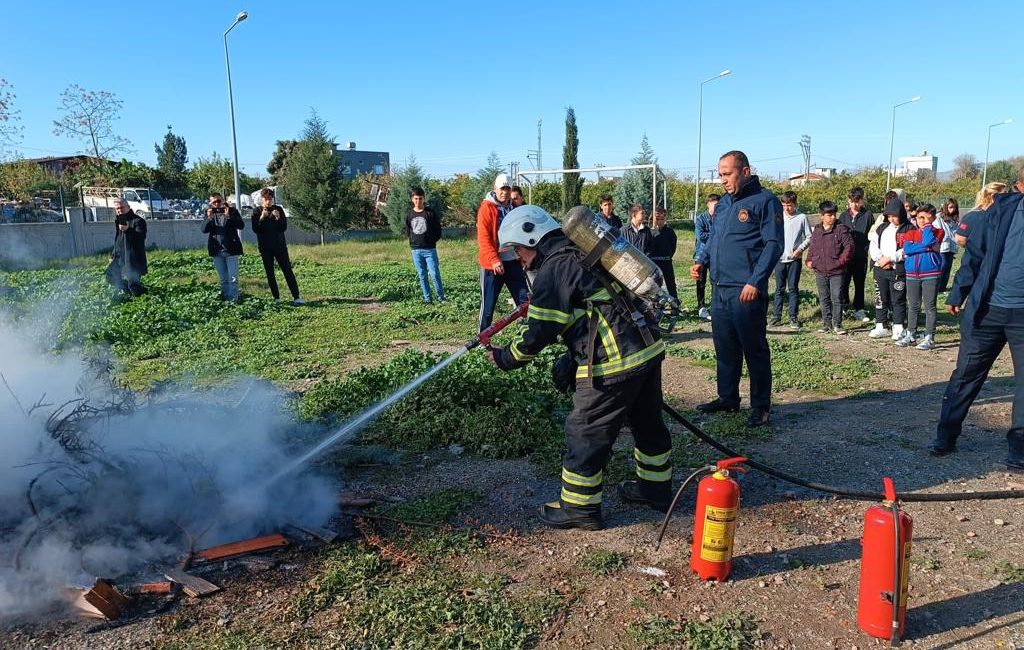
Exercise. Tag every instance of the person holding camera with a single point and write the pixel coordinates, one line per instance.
(269, 223)
(128, 259)
(222, 226)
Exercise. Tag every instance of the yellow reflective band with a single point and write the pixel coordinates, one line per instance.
(576, 315)
(600, 295)
(582, 481)
(626, 363)
(611, 348)
(550, 315)
(660, 459)
(517, 355)
(648, 475)
(581, 499)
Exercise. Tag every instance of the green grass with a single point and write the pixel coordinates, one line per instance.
(728, 632)
(1009, 572)
(603, 562)
(436, 507)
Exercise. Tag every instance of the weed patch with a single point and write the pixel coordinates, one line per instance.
(603, 562)
(1009, 572)
(729, 632)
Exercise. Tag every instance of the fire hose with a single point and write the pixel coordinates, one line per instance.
(843, 493)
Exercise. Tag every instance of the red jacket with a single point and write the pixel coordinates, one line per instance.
(830, 251)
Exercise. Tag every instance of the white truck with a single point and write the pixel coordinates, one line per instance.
(144, 201)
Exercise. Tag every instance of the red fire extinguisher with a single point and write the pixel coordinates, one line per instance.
(714, 521)
(884, 568)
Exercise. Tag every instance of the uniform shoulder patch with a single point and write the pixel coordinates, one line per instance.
(743, 215)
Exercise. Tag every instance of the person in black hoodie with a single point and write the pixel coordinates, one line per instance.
(423, 227)
(269, 222)
(858, 219)
(128, 260)
(888, 270)
(663, 248)
(222, 226)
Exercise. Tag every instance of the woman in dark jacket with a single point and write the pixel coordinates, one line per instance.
(222, 226)
(128, 260)
(269, 222)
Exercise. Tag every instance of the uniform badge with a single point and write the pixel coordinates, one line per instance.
(743, 215)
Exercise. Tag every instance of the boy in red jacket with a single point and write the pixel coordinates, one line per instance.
(828, 255)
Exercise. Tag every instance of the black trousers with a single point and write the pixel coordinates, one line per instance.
(857, 272)
(702, 283)
(947, 266)
(740, 332)
(598, 413)
(787, 284)
(891, 296)
(669, 274)
(281, 255)
(830, 299)
(979, 346)
(128, 282)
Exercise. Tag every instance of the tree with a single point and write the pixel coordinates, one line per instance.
(635, 186)
(173, 156)
(966, 166)
(22, 179)
(276, 165)
(398, 205)
(572, 184)
(10, 119)
(216, 174)
(1004, 171)
(89, 116)
(481, 184)
(312, 188)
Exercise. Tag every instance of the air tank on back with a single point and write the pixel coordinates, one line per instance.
(622, 260)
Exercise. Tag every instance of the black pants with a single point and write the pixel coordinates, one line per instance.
(127, 282)
(921, 294)
(979, 346)
(856, 271)
(702, 283)
(787, 284)
(281, 255)
(490, 289)
(739, 332)
(891, 296)
(598, 413)
(947, 266)
(669, 274)
(830, 298)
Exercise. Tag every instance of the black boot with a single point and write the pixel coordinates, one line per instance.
(718, 406)
(561, 515)
(759, 417)
(1015, 456)
(943, 445)
(652, 495)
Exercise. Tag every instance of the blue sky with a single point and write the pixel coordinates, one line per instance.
(450, 82)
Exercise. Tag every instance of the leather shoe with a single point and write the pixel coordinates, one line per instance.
(718, 406)
(646, 494)
(559, 515)
(759, 417)
(941, 447)
(1015, 465)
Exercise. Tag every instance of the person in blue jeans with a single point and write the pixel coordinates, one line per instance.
(423, 227)
(222, 227)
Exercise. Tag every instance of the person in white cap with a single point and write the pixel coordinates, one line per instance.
(497, 268)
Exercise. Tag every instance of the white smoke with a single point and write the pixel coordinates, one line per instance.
(128, 490)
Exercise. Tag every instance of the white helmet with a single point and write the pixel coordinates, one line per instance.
(525, 226)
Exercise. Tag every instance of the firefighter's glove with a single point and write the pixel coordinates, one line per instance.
(563, 373)
(502, 358)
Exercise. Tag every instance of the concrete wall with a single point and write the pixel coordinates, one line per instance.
(31, 244)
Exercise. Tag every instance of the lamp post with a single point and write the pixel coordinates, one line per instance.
(988, 144)
(892, 136)
(231, 107)
(700, 133)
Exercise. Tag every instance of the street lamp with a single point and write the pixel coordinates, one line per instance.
(700, 133)
(892, 135)
(231, 107)
(988, 143)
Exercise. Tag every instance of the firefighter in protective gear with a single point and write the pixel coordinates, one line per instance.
(617, 371)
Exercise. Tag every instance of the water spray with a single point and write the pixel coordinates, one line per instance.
(356, 423)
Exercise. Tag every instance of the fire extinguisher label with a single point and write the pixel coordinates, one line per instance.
(905, 573)
(719, 531)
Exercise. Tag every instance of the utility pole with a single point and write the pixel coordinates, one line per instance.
(534, 155)
(805, 145)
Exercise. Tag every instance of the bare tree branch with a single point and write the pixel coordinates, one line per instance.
(89, 116)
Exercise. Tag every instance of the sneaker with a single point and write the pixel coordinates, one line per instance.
(861, 316)
(897, 332)
(775, 322)
(879, 331)
(298, 302)
(646, 494)
(759, 417)
(442, 300)
(822, 330)
(927, 344)
(559, 515)
(794, 324)
(704, 313)
(906, 339)
(839, 330)
(718, 406)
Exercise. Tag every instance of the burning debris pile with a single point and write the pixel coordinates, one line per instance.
(99, 482)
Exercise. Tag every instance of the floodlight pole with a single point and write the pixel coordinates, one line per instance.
(700, 134)
(892, 136)
(231, 108)
(988, 144)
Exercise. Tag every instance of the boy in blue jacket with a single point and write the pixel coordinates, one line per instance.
(919, 249)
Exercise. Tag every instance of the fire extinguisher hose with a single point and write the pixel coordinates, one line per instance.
(897, 588)
(675, 500)
(844, 493)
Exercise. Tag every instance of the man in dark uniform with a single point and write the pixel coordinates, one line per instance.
(859, 220)
(128, 259)
(988, 292)
(746, 242)
(615, 365)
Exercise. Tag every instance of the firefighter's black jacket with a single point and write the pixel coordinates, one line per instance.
(568, 300)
